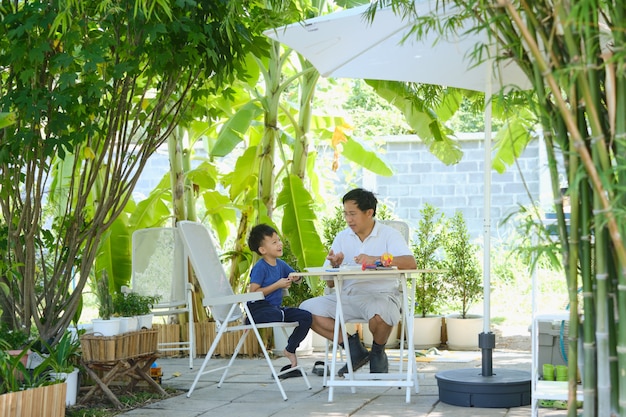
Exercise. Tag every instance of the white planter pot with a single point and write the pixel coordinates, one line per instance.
(463, 333)
(427, 331)
(71, 379)
(319, 342)
(128, 324)
(145, 321)
(392, 343)
(109, 327)
(280, 341)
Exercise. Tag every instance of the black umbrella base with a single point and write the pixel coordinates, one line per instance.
(468, 388)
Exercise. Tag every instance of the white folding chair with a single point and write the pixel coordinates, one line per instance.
(158, 269)
(405, 231)
(225, 306)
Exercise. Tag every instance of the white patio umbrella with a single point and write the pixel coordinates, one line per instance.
(345, 45)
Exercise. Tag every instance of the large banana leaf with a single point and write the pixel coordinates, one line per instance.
(221, 211)
(356, 152)
(114, 254)
(512, 139)
(153, 211)
(233, 130)
(299, 222)
(427, 122)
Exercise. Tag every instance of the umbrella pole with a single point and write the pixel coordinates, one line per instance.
(487, 340)
(465, 387)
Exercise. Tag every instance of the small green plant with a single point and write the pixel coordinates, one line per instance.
(105, 299)
(15, 377)
(132, 304)
(64, 355)
(430, 291)
(14, 339)
(463, 276)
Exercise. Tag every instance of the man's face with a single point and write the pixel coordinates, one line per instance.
(359, 221)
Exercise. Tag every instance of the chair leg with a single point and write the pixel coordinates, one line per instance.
(208, 357)
(191, 332)
(269, 363)
(234, 356)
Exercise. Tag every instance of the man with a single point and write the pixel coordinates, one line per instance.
(378, 299)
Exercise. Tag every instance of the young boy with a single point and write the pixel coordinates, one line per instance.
(270, 275)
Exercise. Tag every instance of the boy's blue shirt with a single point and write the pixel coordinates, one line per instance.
(265, 274)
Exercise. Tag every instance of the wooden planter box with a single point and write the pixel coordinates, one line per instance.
(46, 401)
(121, 346)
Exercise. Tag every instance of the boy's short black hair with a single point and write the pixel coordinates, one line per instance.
(363, 199)
(257, 234)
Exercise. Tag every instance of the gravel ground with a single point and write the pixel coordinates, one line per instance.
(513, 338)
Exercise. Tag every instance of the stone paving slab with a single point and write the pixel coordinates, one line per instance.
(250, 391)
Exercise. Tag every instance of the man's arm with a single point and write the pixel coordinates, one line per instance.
(404, 262)
(401, 261)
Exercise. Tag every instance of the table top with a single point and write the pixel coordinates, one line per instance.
(357, 270)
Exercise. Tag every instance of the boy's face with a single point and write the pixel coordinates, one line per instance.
(271, 246)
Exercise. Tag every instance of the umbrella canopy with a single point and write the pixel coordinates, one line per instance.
(345, 45)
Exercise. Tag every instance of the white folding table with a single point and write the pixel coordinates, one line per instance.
(403, 377)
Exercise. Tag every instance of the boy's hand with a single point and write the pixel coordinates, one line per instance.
(294, 279)
(284, 282)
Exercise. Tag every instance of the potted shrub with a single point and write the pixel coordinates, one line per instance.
(430, 290)
(132, 304)
(105, 324)
(464, 282)
(123, 307)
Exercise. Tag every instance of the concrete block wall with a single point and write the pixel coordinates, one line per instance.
(421, 178)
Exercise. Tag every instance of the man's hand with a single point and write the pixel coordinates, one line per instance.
(365, 259)
(335, 259)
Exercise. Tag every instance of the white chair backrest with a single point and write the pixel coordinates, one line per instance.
(158, 268)
(202, 253)
(399, 225)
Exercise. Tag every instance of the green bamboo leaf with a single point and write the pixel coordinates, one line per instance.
(6, 119)
(299, 222)
(233, 130)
